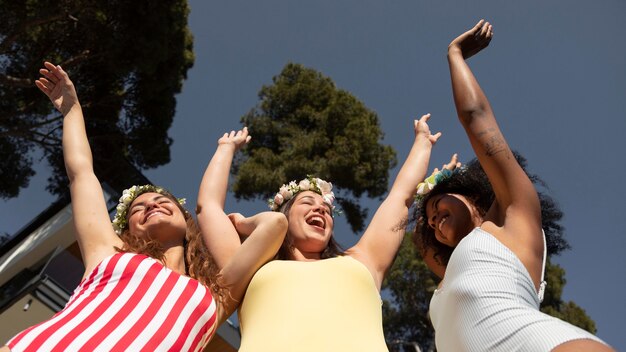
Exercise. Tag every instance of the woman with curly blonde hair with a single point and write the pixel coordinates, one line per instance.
(149, 283)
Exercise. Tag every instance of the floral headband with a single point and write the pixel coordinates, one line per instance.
(310, 183)
(120, 221)
(431, 181)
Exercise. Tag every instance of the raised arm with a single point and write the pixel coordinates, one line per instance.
(517, 203)
(382, 238)
(264, 233)
(95, 234)
(219, 234)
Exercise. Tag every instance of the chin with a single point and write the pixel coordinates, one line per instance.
(166, 230)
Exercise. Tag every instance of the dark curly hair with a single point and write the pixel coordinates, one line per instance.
(472, 182)
(286, 249)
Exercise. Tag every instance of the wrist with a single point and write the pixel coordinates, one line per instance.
(454, 49)
(72, 108)
(227, 147)
(422, 139)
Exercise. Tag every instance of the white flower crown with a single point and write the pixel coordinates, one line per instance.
(120, 220)
(310, 183)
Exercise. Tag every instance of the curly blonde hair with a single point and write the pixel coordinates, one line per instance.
(199, 264)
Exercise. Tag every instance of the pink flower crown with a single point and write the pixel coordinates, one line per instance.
(310, 183)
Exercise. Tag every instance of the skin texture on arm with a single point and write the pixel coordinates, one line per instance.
(382, 238)
(264, 234)
(95, 234)
(218, 232)
(516, 216)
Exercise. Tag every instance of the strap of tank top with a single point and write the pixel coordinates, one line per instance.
(542, 285)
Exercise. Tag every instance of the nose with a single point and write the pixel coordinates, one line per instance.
(319, 208)
(150, 204)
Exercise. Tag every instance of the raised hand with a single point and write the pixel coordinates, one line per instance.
(242, 224)
(57, 85)
(236, 139)
(474, 40)
(421, 128)
(452, 165)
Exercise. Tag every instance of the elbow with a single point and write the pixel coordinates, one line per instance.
(279, 221)
(278, 224)
(77, 168)
(473, 112)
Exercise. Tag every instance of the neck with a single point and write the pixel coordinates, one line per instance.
(175, 258)
(303, 256)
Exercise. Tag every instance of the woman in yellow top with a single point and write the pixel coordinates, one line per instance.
(314, 297)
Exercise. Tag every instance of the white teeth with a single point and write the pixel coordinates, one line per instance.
(441, 222)
(152, 214)
(316, 221)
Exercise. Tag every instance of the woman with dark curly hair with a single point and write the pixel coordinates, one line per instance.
(482, 233)
(149, 282)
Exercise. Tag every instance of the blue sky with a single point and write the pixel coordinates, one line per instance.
(555, 75)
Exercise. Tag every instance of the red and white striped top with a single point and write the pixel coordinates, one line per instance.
(130, 302)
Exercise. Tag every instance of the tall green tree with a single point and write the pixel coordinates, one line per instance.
(128, 60)
(303, 125)
(409, 286)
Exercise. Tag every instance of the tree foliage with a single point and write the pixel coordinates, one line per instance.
(410, 285)
(304, 125)
(554, 305)
(127, 59)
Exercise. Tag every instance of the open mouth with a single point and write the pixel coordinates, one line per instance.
(443, 219)
(316, 221)
(153, 213)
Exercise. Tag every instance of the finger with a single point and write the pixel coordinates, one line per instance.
(232, 134)
(59, 73)
(477, 27)
(50, 66)
(425, 117)
(436, 136)
(42, 87)
(47, 83)
(225, 135)
(51, 77)
(453, 162)
(248, 138)
(455, 159)
(483, 31)
(54, 70)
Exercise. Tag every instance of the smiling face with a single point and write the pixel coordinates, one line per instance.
(310, 222)
(452, 217)
(158, 217)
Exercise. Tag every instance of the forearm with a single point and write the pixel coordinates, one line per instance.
(413, 171)
(469, 99)
(76, 150)
(249, 225)
(214, 183)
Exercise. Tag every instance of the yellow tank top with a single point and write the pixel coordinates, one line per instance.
(325, 305)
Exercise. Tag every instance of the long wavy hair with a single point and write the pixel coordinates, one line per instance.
(472, 182)
(199, 264)
(333, 249)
